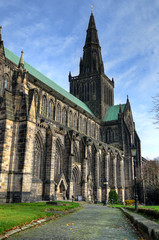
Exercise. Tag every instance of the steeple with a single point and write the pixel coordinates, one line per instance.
(92, 36)
(92, 60)
(92, 86)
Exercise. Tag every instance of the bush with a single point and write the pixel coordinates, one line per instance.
(113, 195)
(129, 202)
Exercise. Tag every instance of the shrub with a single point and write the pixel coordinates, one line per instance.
(113, 195)
(129, 202)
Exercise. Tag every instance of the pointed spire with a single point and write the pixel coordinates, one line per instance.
(21, 62)
(92, 36)
(0, 33)
(92, 59)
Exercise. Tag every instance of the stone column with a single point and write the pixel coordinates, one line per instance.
(84, 179)
(107, 188)
(121, 189)
(97, 175)
(114, 182)
(70, 176)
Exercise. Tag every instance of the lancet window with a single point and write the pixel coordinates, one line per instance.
(44, 106)
(58, 113)
(64, 116)
(38, 158)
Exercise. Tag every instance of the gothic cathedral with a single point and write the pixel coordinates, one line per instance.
(64, 144)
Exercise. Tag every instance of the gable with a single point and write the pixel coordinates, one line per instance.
(42, 78)
(112, 112)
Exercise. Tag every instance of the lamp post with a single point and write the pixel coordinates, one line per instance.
(106, 185)
(133, 153)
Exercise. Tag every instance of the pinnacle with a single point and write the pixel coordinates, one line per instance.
(21, 61)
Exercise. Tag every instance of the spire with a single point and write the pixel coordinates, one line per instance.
(92, 36)
(21, 61)
(92, 59)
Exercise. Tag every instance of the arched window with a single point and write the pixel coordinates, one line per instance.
(58, 113)
(64, 116)
(58, 159)
(70, 119)
(109, 135)
(76, 174)
(75, 121)
(38, 158)
(7, 82)
(44, 106)
(50, 110)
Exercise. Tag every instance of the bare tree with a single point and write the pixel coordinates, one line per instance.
(150, 171)
(150, 178)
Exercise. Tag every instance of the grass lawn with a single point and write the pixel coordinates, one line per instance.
(156, 208)
(18, 214)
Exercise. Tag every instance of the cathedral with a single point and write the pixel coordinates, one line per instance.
(56, 143)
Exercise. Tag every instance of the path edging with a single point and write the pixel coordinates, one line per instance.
(148, 228)
(33, 224)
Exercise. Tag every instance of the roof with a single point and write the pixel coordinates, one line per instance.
(15, 59)
(113, 111)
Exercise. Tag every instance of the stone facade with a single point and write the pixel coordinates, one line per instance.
(53, 143)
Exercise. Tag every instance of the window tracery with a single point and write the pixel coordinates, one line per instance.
(64, 116)
(38, 158)
(58, 113)
(44, 106)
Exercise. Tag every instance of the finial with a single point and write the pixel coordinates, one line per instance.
(21, 62)
(127, 98)
(92, 8)
(0, 33)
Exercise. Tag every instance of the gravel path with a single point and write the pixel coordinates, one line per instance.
(93, 222)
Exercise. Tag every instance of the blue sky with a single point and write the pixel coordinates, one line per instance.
(52, 34)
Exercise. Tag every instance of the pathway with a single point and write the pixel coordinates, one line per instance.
(93, 222)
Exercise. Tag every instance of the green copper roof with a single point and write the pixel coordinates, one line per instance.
(12, 57)
(112, 112)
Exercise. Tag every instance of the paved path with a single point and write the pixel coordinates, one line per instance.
(93, 222)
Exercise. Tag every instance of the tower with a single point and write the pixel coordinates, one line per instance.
(92, 86)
